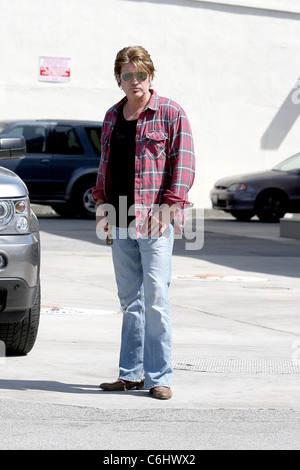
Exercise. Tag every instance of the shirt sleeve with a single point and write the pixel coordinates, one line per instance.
(98, 191)
(182, 157)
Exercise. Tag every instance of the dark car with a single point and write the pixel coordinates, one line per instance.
(19, 256)
(268, 194)
(61, 165)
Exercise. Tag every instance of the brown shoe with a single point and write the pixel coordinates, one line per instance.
(121, 385)
(162, 393)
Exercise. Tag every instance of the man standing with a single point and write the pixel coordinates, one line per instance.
(146, 169)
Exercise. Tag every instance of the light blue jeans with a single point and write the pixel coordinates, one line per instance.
(143, 273)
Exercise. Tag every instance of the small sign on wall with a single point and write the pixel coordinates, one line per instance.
(54, 69)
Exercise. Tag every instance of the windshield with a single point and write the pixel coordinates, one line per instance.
(291, 164)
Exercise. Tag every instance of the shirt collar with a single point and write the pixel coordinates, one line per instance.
(153, 103)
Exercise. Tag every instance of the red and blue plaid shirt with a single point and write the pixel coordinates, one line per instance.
(164, 159)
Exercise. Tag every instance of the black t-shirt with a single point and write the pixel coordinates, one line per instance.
(121, 165)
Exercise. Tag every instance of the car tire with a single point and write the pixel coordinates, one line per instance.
(19, 338)
(83, 201)
(242, 216)
(271, 206)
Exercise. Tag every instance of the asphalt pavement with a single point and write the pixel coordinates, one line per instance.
(236, 333)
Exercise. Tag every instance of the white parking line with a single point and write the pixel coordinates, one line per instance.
(219, 277)
(74, 311)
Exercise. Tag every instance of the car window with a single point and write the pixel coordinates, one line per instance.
(66, 141)
(94, 134)
(35, 137)
(291, 164)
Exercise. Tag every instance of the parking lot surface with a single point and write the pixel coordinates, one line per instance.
(235, 308)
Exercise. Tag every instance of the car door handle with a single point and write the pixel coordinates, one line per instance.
(45, 161)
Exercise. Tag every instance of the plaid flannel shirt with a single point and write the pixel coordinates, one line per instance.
(164, 159)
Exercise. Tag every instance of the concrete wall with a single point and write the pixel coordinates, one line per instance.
(233, 66)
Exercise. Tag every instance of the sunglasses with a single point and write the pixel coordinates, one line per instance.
(128, 76)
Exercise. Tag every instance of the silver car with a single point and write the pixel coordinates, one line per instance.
(268, 194)
(19, 257)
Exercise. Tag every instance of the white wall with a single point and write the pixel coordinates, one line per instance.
(231, 65)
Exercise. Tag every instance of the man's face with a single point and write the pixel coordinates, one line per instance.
(134, 88)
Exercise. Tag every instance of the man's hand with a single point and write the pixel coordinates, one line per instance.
(160, 221)
(102, 227)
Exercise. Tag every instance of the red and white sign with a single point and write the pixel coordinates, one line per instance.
(54, 69)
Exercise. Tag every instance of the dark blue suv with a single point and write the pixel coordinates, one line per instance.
(61, 165)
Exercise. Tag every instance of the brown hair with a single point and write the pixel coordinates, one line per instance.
(138, 56)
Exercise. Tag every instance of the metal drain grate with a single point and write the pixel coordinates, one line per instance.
(219, 365)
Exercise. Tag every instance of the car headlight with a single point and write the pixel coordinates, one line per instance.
(6, 212)
(237, 187)
(14, 215)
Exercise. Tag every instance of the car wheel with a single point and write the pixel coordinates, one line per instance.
(19, 338)
(270, 206)
(242, 216)
(84, 203)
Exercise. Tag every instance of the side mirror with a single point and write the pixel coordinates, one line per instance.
(12, 146)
